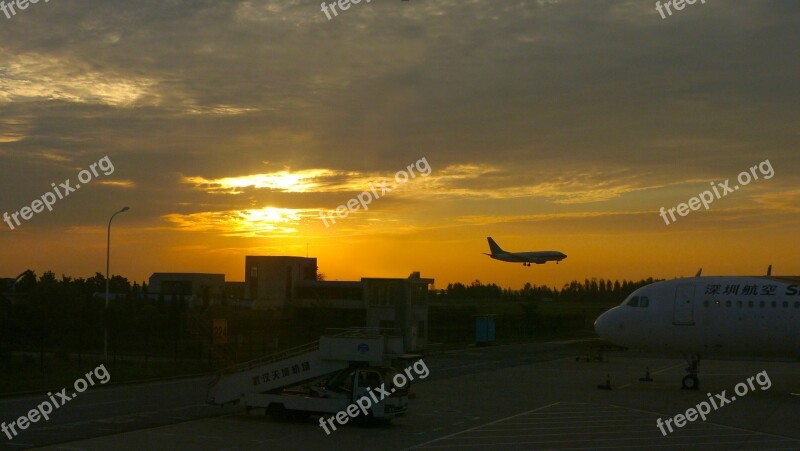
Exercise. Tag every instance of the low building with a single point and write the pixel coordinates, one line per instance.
(322, 293)
(200, 288)
(271, 282)
(400, 304)
(389, 303)
(234, 290)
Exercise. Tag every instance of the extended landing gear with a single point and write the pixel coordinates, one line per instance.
(526, 264)
(690, 381)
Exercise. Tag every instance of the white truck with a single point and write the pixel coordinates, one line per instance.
(323, 377)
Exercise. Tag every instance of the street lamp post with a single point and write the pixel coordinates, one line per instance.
(108, 259)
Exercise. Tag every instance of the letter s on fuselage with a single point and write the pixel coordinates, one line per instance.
(746, 316)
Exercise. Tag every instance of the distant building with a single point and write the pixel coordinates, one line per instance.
(323, 293)
(400, 304)
(394, 303)
(200, 288)
(234, 290)
(271, 282)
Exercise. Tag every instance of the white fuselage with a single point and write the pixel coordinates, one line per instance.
(746, 316)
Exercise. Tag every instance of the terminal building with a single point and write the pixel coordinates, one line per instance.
(198, 288)
(282, 282)
(273, 282)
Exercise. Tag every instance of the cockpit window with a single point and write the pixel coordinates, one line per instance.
(634, 302)
(644, 301)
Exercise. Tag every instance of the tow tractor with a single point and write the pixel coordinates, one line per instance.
(322, 377)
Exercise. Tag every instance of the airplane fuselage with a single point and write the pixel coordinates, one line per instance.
(526, 258)
(529, 257)
(744, 316)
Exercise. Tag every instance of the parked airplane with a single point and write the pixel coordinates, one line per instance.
(706, 316)
(526, 258)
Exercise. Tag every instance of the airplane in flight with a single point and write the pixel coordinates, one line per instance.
(526, 258)
(756, 316)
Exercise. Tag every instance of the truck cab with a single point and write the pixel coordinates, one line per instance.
(353, 384)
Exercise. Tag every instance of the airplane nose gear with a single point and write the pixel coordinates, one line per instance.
(690, 381)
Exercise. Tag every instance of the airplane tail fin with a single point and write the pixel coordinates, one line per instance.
(494, 247)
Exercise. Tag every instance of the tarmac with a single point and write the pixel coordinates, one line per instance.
(513, 397)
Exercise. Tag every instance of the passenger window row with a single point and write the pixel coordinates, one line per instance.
(751, 304)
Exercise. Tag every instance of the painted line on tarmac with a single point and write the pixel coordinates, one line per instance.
(483, 425)
(103, 403)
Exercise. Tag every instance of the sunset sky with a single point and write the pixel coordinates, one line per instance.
(548, 125)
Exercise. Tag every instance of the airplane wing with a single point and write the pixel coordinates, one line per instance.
(521, 258)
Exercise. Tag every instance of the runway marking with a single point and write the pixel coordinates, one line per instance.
(583, 431)
(538, 434)
(591, 441)
(102, 403)
(478, 427)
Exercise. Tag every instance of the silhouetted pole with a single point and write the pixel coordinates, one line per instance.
(108, 260)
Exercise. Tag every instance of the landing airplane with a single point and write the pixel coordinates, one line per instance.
(526, 258)
(706, 316)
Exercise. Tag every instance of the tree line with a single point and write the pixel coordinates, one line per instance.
(67, 316)
(599, 290)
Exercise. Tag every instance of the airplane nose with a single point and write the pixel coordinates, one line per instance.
(604, 324)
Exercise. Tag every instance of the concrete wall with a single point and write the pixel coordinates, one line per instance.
(187, 284)
(271, 281)
(400, 304)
